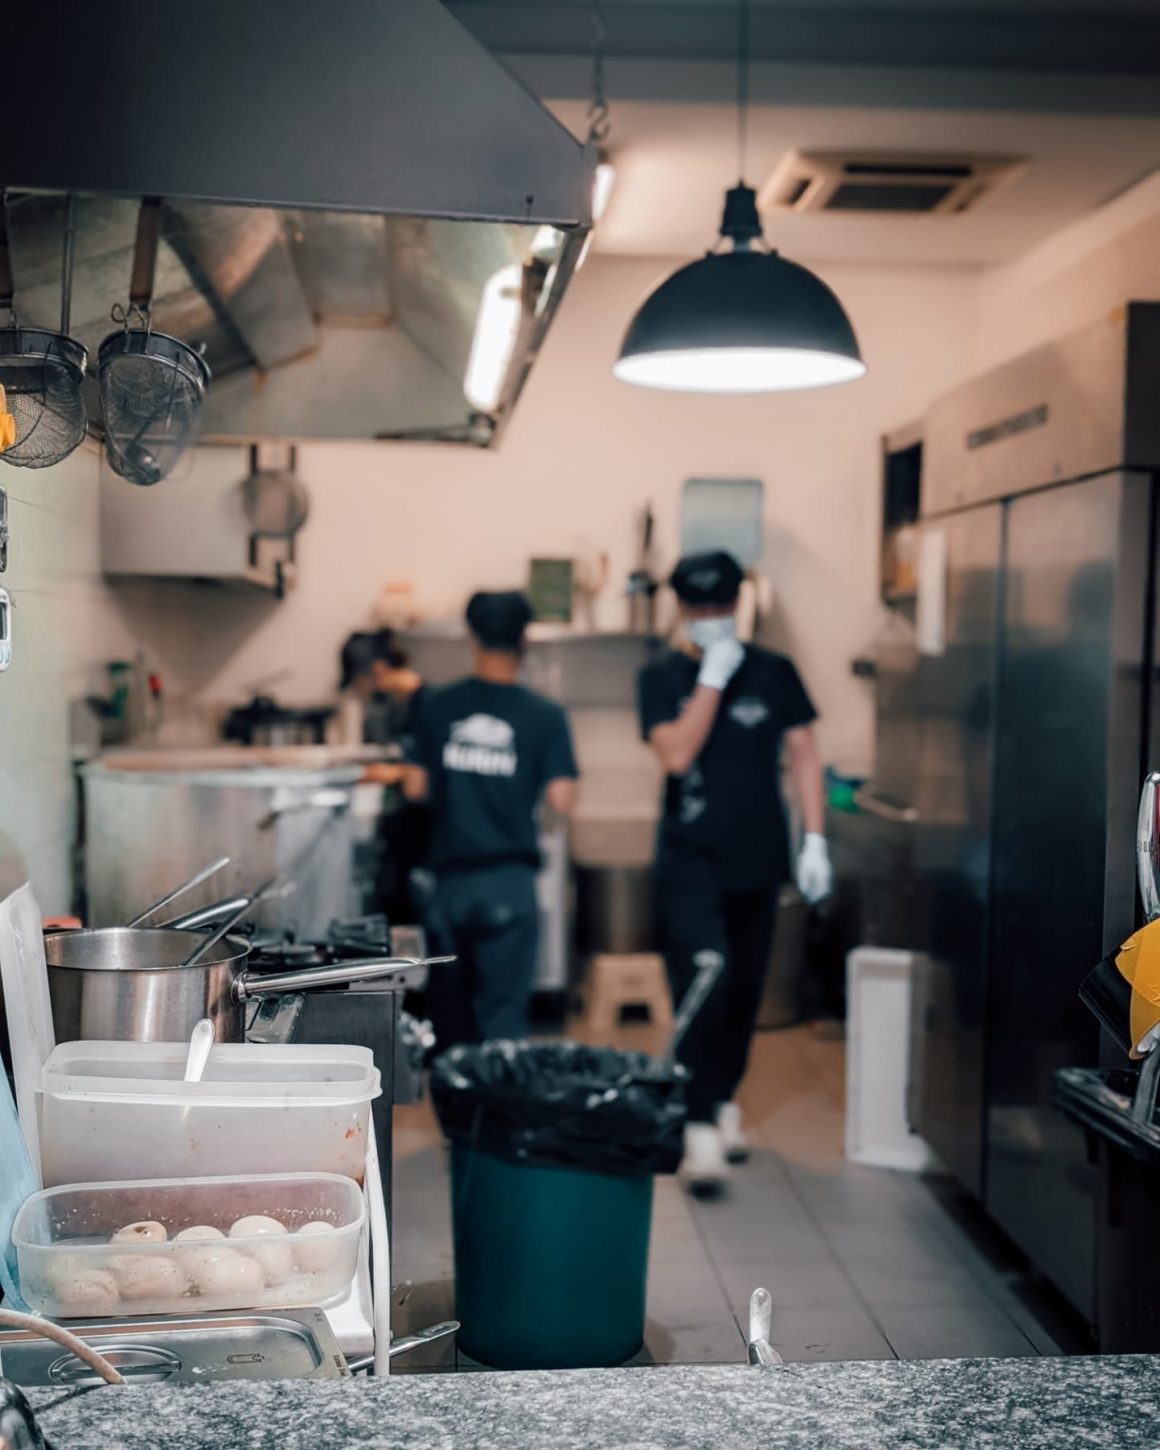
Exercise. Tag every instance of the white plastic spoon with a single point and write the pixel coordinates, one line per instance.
(200, 1046)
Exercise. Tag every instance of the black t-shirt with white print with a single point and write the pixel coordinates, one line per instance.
(489, 750)
(728, 804)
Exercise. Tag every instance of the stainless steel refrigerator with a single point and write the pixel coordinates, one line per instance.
(1014, 730)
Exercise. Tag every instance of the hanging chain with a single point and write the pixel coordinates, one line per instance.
(599, 124)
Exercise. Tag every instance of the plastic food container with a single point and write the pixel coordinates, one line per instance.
(69, 1269)
(119, 1110)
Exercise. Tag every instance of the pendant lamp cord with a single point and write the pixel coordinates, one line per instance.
(742, 85)
(598, 108)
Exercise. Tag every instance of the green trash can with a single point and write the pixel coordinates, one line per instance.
(551, 1264)
(553, 1151)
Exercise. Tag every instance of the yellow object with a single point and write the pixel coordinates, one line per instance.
(1138, 962)
(7, 423)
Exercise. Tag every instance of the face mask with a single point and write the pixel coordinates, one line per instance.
(707, 632)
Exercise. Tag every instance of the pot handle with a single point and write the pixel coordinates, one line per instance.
(249, 985)
(205, 915)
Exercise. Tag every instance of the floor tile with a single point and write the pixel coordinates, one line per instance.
(861, 1262)
(917, 1287)
(416, 1244)
(669, 1202)
(417, 1305)
(676, 1241)
(762, 1166)
(792, 1283)
(967, 1331)
(1048, 1323)
(843, 1332)
(718, 1343)
(682, 1296)
(754, 1227)
(425, 1207)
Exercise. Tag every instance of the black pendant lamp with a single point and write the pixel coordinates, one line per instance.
(742, 320)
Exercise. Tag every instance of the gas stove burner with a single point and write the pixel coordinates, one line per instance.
(367, 936)
(297, 951)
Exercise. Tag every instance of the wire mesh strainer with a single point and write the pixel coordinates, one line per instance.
(151, 389)
(151, 385)
(274, 498)
(41, 373)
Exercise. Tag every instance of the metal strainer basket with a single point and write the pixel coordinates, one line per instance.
(151, 388)
(42, 409)
(41, 373)
(274, 498)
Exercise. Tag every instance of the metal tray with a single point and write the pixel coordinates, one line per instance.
(290, 1344)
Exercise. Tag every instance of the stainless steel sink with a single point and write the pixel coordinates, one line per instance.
(292, 1344)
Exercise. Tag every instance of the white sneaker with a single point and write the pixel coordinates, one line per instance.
(704, 1170)
(734, 1143)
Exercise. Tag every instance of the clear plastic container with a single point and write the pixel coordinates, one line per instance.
(70, 1269)
(120, 1110)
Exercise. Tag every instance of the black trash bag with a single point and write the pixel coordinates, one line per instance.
(563, 1105)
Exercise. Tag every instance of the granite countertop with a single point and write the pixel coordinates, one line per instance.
(1025, 1404)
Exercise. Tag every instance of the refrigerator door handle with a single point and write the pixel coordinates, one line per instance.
(874, 805)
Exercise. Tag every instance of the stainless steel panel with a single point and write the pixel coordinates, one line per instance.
(183, 1349)
(898, 723)
(151, 822)
(614, 909)
(1067, 772)
(1081, 405)
(390, 107)
(953, 695)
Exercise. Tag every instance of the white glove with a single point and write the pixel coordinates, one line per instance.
(815, 875)
(720, 663)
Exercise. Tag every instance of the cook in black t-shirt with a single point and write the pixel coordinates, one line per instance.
(717, 714)
(485, 752)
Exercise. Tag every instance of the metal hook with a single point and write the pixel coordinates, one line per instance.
(126, 316)
(599, 124)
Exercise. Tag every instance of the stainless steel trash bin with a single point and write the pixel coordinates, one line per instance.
(781, 996)
(614, 909)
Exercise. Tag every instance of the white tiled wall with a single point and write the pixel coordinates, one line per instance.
(63, 627)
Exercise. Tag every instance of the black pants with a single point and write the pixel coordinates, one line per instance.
(698, 915)
(490, 920)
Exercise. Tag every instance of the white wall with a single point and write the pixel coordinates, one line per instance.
(63, 624)
(1083, 273)
(582, 456)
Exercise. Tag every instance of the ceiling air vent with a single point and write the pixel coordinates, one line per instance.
(884, 181)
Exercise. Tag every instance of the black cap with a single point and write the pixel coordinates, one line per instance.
(498, 621)
(712, 578)
(363, 649)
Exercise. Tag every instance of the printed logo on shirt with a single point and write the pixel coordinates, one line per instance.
(481, 745)
(692, 798)
(749, 712)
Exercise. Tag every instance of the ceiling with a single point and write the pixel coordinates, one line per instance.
(1117, 37)
(673, 163)
(1069, 85)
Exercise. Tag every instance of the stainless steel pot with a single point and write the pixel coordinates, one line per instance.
(126, 984)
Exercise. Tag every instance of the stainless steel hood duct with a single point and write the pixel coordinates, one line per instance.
(341, 181)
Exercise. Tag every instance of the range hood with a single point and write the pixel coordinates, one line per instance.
(347, 186)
